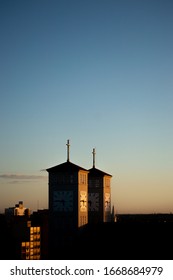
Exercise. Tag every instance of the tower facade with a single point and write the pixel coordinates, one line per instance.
(68, 199)
(77, 196)
(99, 195)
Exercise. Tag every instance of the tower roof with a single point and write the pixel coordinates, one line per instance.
(66, 167)
(97, 172)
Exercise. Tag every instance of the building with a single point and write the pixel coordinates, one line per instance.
(41, 218)
(24, 237)
(19, 209)
(99, 195)
(68, 200)
(30, 242)
(76, 195)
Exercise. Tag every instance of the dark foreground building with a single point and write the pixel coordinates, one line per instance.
(149, 238)
(119, 241)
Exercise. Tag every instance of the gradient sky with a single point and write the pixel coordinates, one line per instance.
(97, 72)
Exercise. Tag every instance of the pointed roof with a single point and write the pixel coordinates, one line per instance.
(97, 172)
(66, 167)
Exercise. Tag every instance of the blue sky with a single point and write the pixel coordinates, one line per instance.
(99, 73)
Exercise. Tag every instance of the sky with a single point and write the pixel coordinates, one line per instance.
(96, 72)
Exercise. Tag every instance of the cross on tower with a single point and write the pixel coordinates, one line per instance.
(68, 150)
(94, 153)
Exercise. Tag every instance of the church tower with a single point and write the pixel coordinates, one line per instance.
(68, 198)
(99, 195)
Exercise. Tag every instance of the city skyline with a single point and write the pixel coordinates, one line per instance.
(100, 74)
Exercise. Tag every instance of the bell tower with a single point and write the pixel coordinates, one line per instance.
(99, 194)
(68, 200)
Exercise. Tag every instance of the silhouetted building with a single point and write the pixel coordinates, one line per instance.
(99, 195)
(74, 194)
(24, 238)
(41, 218)
(68, 201)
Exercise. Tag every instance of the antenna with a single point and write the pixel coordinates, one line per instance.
(68, 150)
(94, 153)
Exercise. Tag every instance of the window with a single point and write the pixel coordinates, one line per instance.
(83, 179)
(107, 182)
(28, 223)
